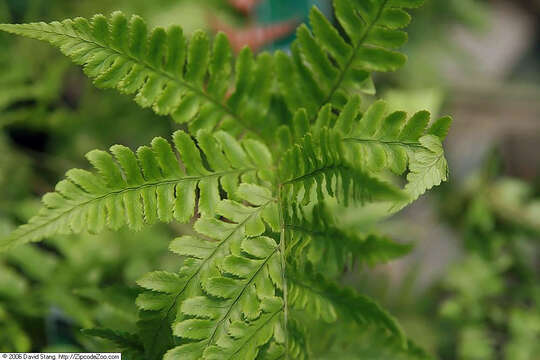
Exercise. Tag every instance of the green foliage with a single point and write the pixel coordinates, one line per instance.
(493, 292)
(162, 69)
(127, 343)
(390, 141)
(13, 337)
(327, 67)
(324, 163)
(145, 188)
(253, 276)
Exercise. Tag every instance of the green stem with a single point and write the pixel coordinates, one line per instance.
(282, 250)
(384, 142)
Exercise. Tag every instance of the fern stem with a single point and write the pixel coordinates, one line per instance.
(282, 251)
(314, 173)
(385, 142)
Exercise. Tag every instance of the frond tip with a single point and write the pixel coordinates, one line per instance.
(327, 67)
(428, 168)
(378, 140)
(151, 185)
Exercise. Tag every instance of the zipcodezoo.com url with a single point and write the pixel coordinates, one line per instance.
(60, 356)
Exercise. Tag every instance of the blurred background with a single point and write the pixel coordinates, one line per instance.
(469, 290)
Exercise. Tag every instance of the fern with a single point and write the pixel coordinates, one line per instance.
(128, 343)
(162, 69)
(150, 186)
(428, 168)
(265, 255)
(327, 67)
(389, 141)
(352, 142)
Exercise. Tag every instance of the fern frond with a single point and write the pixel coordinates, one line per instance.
(150, 186)
(322, 166)
(320, 242)
(326, 66)
(155, 332)
(348, 341)
(222, 278)
(324, 300)
(186, 80)
(240, 290)
(376, 140)
(385, 140)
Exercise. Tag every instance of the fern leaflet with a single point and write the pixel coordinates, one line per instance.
(147, 187)
(187, 81)
(376, 140)
(327, 67)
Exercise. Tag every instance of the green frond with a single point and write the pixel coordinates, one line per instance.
(378, 140)
(327, 66)
(416, 352)
(187, 80)
(242, 341)
(246, 279)
(13, 336)
(324, 300)
(10, 279)
(146, 187)
(329, 249)
(223, 279)
(319, 164)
